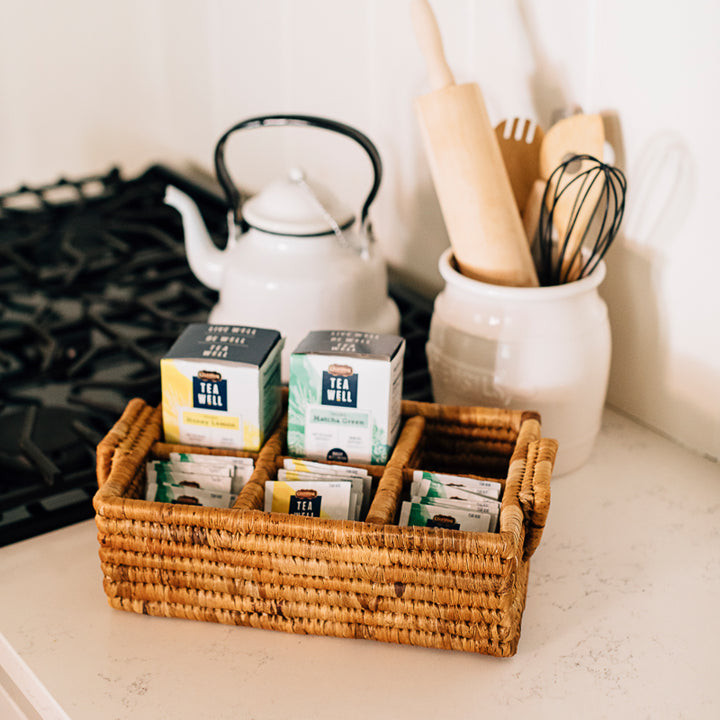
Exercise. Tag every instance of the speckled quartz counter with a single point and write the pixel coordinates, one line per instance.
(621, 621)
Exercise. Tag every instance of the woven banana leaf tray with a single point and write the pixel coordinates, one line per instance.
(430, 587)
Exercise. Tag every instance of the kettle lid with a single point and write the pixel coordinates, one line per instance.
(293, 206)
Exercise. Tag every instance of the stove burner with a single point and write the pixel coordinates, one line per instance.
(39, 440)
(94, 288)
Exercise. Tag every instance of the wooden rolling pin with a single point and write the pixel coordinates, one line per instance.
(472, 184)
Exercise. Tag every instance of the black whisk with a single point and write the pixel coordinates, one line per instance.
(580, 216)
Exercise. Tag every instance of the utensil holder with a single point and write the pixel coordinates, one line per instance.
(542, 348)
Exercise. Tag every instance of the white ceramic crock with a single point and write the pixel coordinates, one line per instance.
(544, 349)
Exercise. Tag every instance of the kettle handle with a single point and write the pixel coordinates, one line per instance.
(231, 191)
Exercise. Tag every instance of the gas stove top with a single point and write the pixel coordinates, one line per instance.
(94, 289)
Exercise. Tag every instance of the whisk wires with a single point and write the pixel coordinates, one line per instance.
(580, 216)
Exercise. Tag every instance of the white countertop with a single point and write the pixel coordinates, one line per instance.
(622, 620)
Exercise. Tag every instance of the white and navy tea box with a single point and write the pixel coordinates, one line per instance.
(221, 386)
(345, 396)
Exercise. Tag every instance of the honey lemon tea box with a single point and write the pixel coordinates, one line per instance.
(221, 386)
(345, 396)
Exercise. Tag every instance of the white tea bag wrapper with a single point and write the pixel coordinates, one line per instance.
(487, 488)
(431, 488)
(215, 459)
(323, 468)
(436, 491)
(181, 495)
(443, 517)
(162, 473)
(240, 469)
(484, 506)
(193, 468)
(356, 482)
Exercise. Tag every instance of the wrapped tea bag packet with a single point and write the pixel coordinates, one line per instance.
(318, 489)
(452, 501)
(197, 479)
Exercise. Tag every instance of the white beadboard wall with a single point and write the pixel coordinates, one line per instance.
(86, 85)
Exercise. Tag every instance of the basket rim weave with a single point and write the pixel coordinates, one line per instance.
(530, 467)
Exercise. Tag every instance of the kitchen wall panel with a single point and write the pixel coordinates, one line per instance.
(662, 285)
(80, 88)
(85, 85)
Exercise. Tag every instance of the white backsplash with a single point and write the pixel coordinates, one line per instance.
(85, 85)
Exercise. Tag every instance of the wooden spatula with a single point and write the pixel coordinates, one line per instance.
(520, 142)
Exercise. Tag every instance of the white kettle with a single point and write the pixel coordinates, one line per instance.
(296, 260)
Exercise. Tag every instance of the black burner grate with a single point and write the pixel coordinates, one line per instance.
(94, 288)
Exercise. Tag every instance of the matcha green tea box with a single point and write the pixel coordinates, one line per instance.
(221, 386)
(345, 396)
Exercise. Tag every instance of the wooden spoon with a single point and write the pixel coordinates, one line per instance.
(576, 135)
(520, 142)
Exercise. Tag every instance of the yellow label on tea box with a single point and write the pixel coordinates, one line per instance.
(216, 421)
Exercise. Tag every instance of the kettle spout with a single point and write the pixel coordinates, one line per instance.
(204, 258)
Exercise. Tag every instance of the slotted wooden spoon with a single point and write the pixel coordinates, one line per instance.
(520, 141)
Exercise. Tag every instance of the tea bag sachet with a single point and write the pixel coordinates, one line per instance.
(452, 501)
